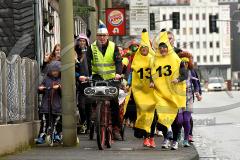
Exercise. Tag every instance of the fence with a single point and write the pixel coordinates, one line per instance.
(18, 89)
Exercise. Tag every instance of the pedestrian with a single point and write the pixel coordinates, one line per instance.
(50, 109)
(192, 89)
(54, 56)
(168, 82)
(82, 74)
(105, 63)
(142, 93)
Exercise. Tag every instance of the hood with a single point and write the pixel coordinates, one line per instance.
(54, 65)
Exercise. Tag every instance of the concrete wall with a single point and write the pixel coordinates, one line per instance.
(17, 137)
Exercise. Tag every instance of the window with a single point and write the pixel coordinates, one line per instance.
(204, 58)
(191, 45)
(211, 58)
(184, 44)
(197, 16)
(178, 44)
(211, 44)
(218, 58)
(217, 44)
(197, 30)
(184, 17)
(190, 16)
(204, 44)
(204, 16)
(198, 44)
(198, 59)
(204, 30)
(184, 31)
(178, 32)
(164, 17)
(190, 30)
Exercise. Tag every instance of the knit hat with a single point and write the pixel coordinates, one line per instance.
(102, 29)
(82, 36)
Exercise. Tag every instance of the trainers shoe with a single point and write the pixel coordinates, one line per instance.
(152, 143)
(57, 138)
(146, 142)
(165, 144)
(40, 140)
(174, 146)
(117, 135)
(190, 138)
(185, 143)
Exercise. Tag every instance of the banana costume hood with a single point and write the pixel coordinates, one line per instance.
(168, 96)
(142, 93)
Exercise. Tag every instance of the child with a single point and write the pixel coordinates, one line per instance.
(50, 109)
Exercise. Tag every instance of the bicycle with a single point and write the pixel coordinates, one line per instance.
(102, 92)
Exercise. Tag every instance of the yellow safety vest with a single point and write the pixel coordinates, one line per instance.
(103, 65)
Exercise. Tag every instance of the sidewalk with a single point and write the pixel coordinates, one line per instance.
(131, 149)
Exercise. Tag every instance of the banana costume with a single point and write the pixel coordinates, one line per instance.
(168, 96)
(143, 95)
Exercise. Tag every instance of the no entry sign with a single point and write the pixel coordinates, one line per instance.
(115, 18)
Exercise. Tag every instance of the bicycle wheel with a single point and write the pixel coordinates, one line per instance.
(100, 127)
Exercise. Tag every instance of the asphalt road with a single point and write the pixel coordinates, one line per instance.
(217, 126)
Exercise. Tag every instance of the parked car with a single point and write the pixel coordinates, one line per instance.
(216, 84)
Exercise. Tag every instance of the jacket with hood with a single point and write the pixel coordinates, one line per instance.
(51, 101)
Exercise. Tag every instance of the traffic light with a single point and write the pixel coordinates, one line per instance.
(213, 23)
(152, 21)
(176, 20)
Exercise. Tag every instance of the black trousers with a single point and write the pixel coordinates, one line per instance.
(47, 120)
(131, 112)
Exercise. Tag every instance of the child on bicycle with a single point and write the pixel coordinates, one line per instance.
(50, 109)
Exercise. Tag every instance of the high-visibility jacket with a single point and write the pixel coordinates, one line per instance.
(103, 65)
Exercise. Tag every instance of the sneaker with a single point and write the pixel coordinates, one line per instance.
(57, 138)
(190, 139)
(165, 144)
(185, 143)
(146, 142)
(174, 146)
(40, 140)
(117, 135)
(152, 143)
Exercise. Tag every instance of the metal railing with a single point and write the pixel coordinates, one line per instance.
(18, 89)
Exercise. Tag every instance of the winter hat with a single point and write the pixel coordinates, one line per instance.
(82, 36)
(102, 29)
(54, 66)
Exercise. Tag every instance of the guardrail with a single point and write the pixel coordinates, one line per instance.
(18, 89)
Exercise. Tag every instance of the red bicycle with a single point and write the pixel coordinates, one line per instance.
(102, 92)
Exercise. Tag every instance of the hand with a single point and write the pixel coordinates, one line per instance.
(83, 78)
(152, 85)
(118, 77)
(46, 57)
(127, 88)
(41, 88)
(175, 81)
(56, 86)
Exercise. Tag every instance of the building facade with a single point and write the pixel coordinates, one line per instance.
(211, 51)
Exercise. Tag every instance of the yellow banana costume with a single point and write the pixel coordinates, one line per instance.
(168, 96)
(143, 95)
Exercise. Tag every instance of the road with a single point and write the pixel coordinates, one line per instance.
(217, 126)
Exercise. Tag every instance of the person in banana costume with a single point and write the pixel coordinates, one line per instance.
(142, 93)
(168, 81)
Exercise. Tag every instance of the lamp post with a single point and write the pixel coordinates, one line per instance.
(67, 74)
